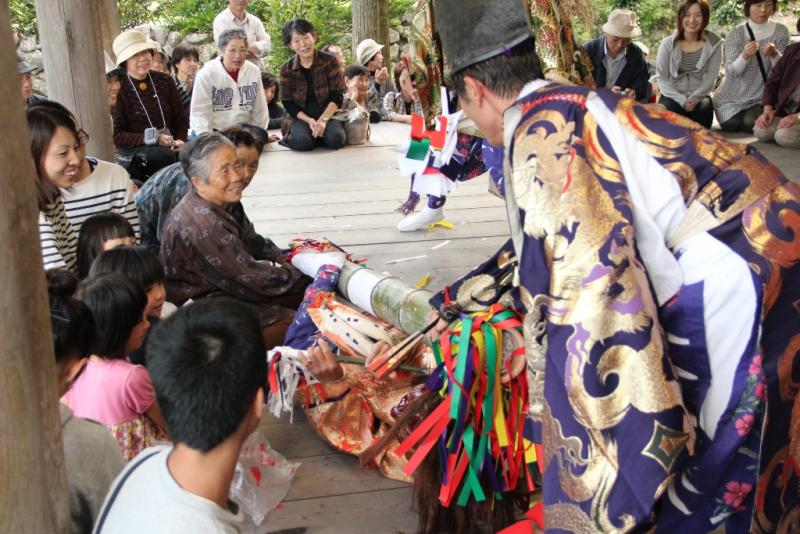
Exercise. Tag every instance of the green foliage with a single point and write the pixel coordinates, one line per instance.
(331, 18)
(23, 16)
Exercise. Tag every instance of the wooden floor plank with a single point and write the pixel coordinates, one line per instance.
(372, 512)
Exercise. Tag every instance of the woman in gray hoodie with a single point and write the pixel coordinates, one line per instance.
(688, 64)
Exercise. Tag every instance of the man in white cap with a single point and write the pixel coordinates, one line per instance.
(368, 54)
(26, 72)
(657, 277)
(236, 17)
(617, 63)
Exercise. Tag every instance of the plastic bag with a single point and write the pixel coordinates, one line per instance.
(262, 478)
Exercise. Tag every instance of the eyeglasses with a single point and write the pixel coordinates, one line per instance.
(83, 137)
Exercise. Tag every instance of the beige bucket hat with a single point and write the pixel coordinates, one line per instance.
(366, 50)
(622, 23)
(131, 42)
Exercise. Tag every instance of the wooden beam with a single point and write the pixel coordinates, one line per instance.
(33, 493)
(74, 67)
(108, 12)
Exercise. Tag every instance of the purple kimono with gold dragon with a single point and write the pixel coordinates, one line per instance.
(659, 282)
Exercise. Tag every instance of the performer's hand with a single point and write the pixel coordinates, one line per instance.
(789, 121)
(616, 89)
(436, 332)
(766, 118)
(381, 347)
(630, 93)
(321, 362)
(750, 50)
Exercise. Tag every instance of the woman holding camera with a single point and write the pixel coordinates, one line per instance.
(148, 117)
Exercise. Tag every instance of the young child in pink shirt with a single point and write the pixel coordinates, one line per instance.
(111, 390)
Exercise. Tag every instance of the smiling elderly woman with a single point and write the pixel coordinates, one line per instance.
(205, 249)
(148, 116)
(228, 92)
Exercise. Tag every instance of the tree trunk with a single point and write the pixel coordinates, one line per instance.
(33, 493)
(371, 21)
(74, 68)
(109, 22)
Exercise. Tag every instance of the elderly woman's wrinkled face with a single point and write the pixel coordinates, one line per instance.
(138, 65)
(234, 54)
(303, 44)
(247, 158)
(62, 159)
(225, 182)
(762, 11)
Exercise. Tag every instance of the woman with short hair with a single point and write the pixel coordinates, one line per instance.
(312, 89)
(227, 91)
(751, 51)
(148, 117)
(688, 64)
(184, 64)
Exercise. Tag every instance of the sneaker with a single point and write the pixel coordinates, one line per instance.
(421, 220)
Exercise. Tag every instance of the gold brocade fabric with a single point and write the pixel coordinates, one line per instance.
(353, 414)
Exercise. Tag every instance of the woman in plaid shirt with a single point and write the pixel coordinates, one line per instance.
(398, 106)
(312, 89)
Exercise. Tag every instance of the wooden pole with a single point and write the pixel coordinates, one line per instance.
(108, 12)
(33, 493)
(371, 21)
(72, 47)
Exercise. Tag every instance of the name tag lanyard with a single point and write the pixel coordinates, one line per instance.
(158, 101)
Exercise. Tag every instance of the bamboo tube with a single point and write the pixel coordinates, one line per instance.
(386, 297)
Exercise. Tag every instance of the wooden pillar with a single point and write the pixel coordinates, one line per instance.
(108, 12)
(33, 493)
(371, 21)
(74, 67)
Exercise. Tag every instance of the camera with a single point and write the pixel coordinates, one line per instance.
(150, 136)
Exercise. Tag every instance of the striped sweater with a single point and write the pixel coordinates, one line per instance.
(107, 188)
(58, 239)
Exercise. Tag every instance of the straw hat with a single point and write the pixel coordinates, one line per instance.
(476, 30)
(366, 50)
(622, 23)
(131, 42)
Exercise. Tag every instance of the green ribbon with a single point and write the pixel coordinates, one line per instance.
(471, 483)
(461, 366)
(418, 149)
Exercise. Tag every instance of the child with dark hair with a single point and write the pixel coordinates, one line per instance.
(91, 457)
(111, 390)
(144, 267)
(100, 232)
(276, 112)
(208, 368)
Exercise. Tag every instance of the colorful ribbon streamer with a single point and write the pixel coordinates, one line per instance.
(478, 425)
